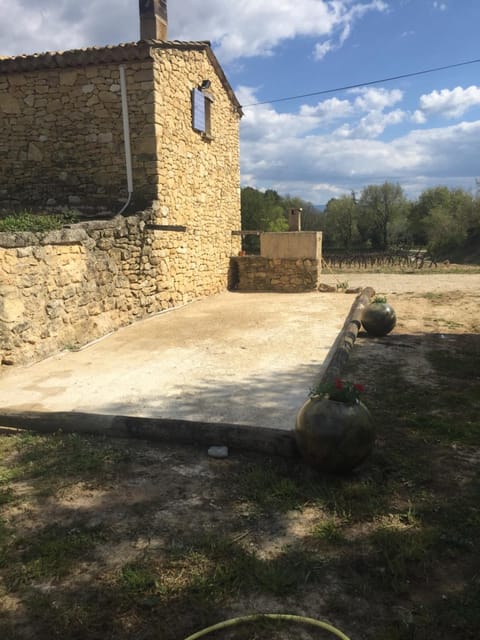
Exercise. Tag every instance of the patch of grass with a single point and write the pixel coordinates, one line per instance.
(60, 613)
(433, 296)
(459, 613)
(4, 540)
(329, 531)
(462, 364)
(56, 457)
(138, 578)
(48, 554)
(445, 322)
(351, 499)
(451, 414)
(211, 569)
(6, 496)
(28, 221)
(439, 428)
(404, 554)
(268, 487)
(275, 486)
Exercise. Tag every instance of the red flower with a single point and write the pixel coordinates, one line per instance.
(338, 390)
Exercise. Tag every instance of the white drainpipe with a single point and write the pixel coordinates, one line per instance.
(126, 136)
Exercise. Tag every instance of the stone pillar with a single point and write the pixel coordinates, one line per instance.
(153, 19)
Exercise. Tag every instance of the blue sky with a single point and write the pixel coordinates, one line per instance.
(419, 131)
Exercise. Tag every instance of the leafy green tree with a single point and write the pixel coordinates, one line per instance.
(444, 232)
(381, 208)
(262, 211)
(341, 229)
(420, 210)
(444, 219)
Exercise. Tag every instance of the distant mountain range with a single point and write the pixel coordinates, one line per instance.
(320, 207)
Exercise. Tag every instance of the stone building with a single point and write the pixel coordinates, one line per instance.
(149, 130)
(63, 134)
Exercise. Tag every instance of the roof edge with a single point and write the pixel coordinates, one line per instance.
(124, 52)
(92, 55)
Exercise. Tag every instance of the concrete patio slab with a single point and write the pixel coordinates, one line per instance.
(239, 358)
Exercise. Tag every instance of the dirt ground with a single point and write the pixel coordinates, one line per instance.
(163, 489)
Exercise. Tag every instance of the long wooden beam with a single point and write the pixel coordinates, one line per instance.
(235, 436)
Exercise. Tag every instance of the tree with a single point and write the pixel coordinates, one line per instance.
(444, 219)
(262, 211)
(381, 210)
(451, 219)
(428, 200)
(443, 231)
(341, 222)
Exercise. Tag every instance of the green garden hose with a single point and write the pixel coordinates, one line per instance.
(268, 616)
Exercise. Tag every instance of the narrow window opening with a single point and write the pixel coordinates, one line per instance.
(202, 112)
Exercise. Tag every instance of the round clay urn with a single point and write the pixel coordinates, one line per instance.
(334, 436)
(378, 319)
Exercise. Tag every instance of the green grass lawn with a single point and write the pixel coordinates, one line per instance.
(115, 539)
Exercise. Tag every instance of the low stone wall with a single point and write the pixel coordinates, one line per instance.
(256, 273)
(65, 288)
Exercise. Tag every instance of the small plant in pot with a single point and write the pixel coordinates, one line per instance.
(334, 430)
(378, 317)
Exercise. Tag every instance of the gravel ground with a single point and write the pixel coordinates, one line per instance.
(388, 283)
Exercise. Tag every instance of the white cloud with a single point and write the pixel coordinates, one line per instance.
(321, 49)
(374, 124)
(256, 27)
(378, 99)
(346, 16)
(320, 163)
(328, 110)
(418, 117)
(441, 6)
(32, 26)
(264, 122)
(246, 29)
(450, 103)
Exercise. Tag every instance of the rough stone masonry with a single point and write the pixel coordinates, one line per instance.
(62, 144)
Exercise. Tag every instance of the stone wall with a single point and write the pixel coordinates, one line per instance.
(199, 178)
(62, 140)
(65, 288)
(62, 144)
(62, 137)
(256, 273)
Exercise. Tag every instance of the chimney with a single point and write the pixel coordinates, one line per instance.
(295, 219)
(153, 19)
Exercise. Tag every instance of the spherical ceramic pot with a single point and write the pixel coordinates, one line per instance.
(378, 319)
(334, 436)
